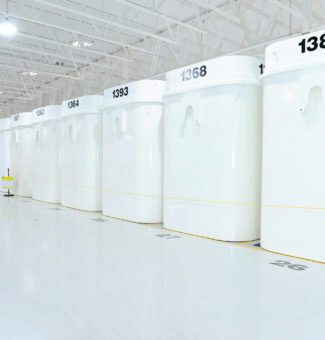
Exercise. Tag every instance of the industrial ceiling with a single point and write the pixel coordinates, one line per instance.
(68, 48)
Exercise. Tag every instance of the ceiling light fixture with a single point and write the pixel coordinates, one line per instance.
(76, 44)
(29, 73)
(7, 28)
(79, 44)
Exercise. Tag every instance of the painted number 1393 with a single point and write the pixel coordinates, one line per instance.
(123, 91)
(194, 73)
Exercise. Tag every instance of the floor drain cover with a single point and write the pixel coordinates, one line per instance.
(168, 236)
(98, 220)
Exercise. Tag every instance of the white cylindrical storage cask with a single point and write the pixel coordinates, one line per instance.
(21, 153)
(213, 149)
(45, 159)
(4, 147)
(293, 188)
(133, 151)
(81, 155)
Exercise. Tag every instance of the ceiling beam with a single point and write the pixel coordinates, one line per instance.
(159, 15)
(24, 69)
(84, 49)
(15, 97)
(288, 9)
(70, 30)
(37, 63)
(308, 15)
(22, 82)
(217, 10)
(59, 56)
(106, 21)
(4, 87)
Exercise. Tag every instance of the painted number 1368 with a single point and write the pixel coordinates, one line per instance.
(194, 73)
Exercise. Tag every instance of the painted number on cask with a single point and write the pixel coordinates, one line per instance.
(289, 265)
(73, 103)
(121, 92)
(262, 66)
(40, 112)
(312, 43)
(194, 73)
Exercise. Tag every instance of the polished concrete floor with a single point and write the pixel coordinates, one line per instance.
(72, 275)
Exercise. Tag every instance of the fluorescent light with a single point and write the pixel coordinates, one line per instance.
(29, 73)
(1, 92)
(79, 44)
(7, 28)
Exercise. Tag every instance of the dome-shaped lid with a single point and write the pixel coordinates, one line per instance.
(4, 124)
(81, 105)
(46, 113)
(21, 119)
(299, 52)
(214, 72)
(135, 92)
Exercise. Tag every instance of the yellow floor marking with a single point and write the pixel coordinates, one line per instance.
(245, 244)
